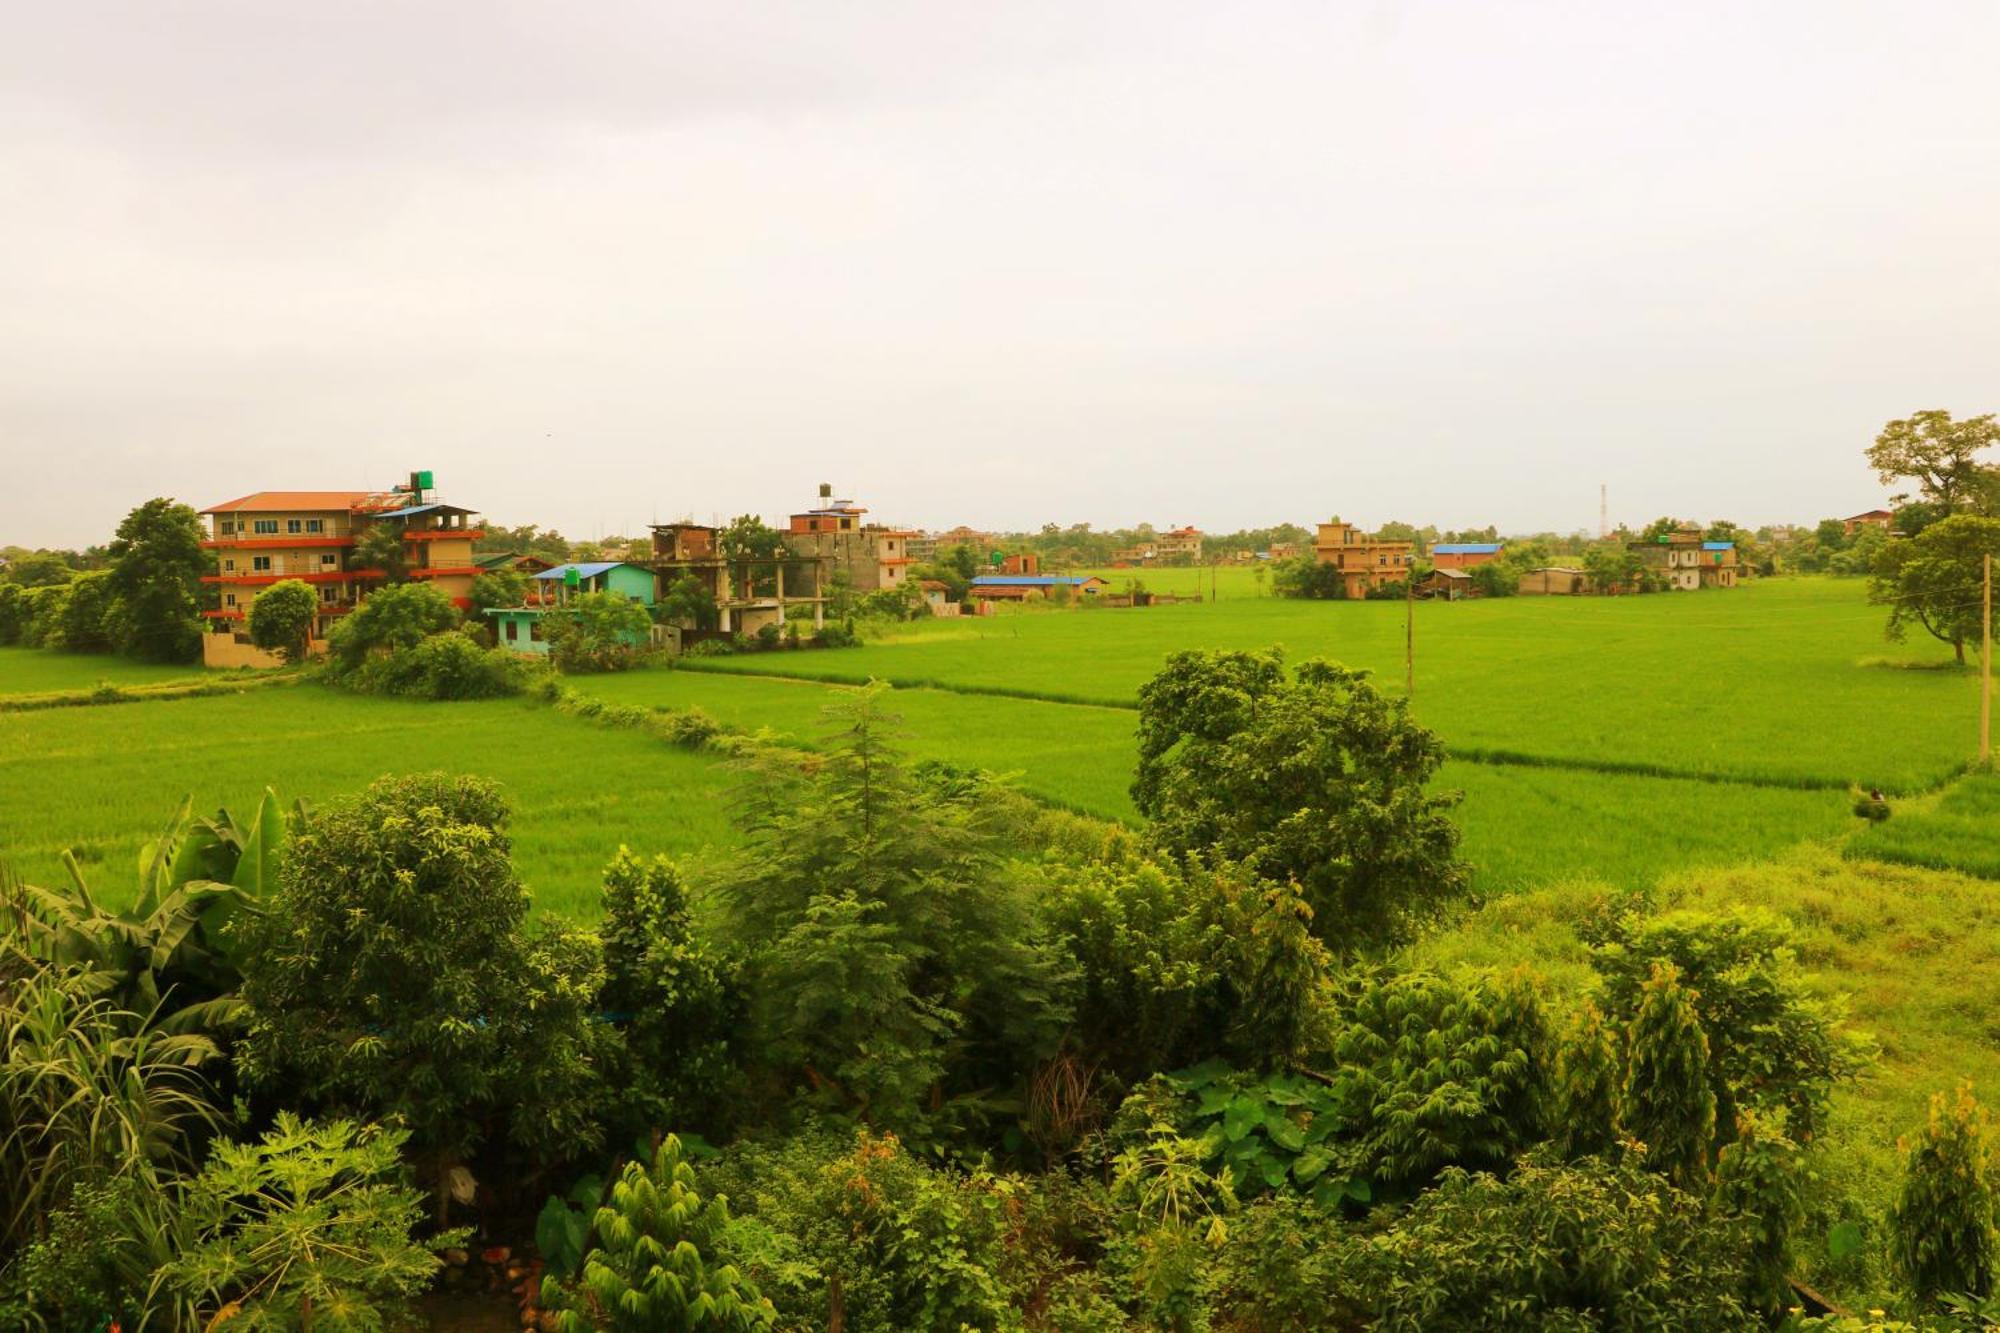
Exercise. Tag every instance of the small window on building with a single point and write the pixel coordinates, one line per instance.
(229, 599)
(229, 566)
(266, 526)
(293, 525)
(225, 528)
(327, 560)
(535, 630)
(513, 631)
(315, 525)
(260, 563)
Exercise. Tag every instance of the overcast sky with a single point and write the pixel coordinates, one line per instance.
(1002, 264)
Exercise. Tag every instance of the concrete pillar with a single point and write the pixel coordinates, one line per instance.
(781, 592)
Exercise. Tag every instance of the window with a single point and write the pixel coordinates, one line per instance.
(229, 599)
(261, 563)
(328, 559)
(513, 631)
(535, 630)
(315, 525)
(266, 526)
(292, 525)
(225, 528)
(229, 566)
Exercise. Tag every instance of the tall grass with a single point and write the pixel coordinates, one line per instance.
(1958, 830)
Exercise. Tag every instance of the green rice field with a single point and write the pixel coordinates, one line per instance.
(1782, 681)
(1958, 829)
(41, 671)
(100, 780)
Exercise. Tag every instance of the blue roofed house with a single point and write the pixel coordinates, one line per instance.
(1032, 587)
(1464, 555)
(519, 628)
(1718, 564)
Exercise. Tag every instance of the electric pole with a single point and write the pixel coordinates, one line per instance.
(1409, 634)
(1986, 666)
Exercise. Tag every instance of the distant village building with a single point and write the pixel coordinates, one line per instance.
(1364, 562)
(1179, 544)
(1033, 587)
(937, 596)
(1674, 557)
(1465, 555)
(272, 536)
(520, 628)
(1874, 518)
(492, 562)
(1718, 564)
(1554, 581)
(1282, 551)
(1027, 562)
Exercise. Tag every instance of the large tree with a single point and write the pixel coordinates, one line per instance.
(1933, 579)
(1313, 777)
(380, 546)
(281, 618)
(1941, 456)
(156, 568)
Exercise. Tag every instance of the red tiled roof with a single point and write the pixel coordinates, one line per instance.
(269, 501)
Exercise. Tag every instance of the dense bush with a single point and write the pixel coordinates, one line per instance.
(388, 619)
(448, 665)
(1942, 1225)
(391, 977)
(597, 631)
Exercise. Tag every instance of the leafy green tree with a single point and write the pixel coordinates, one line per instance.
(1942, 1224)
(381, 546)
(390, 977)
(1315, 778)
(654, 1268)
(1760, 1178)
(680, 1005)
(891, 964)
(1667, 1103)
(388, 619)
(43, 618)
(13, 614)
(496, 588)
(1612, 566)
(1304, 576)
(1933, 580)
(528, 539)
(1496, 578)
(752, 548)
(597, 631)
(1587, 1074)
(40, 569)
(90, 614)
(156, 568)
(308, 1228)
(281, 618)
(688, 601)
(1773, 1045)
(962, 560)
(1940, 455)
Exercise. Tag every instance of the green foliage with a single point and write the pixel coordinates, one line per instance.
(688, 601)
(380, 545)
(1939, 454)
(1173, 1221)
(1496, 578)
(1305, 577)
(890, 963)
(89, 1264)
(654, 1267)
(1316, 778)
(1614, 567)
(854, 1231)
(388, 619)
(1437, 1071)
(390, 976)
(1274, 1132)
(1942, 1225)
(91, 617)
(1933, 580)
(43, 610)
(562, 1228)
(493, 588)
(40, 569)
(156, 568)
(1174, 967)
(1589, 1245)
(446, 666)
(1772, 1045)
(1760, 1178)
(88, 1093)
(673, 994)
(752, 548)
(1668, 1103)
(281, 618)
(1589, 1068)
(597, 631)
(307, 1228)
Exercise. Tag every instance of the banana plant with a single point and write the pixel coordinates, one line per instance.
(168, 952)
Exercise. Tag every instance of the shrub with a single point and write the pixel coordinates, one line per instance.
(597, 631)
(281, 618)
(443, 666)
(388, 619)
(1942, 1226)
(673, 995)
(1667, 1103)
(837, 634)
(391, 977)
(654, 1268)
(709, 648)
(1589, 1070)
(1760, 1179)
(308, 1227)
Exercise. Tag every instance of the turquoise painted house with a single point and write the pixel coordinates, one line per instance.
(519, 628)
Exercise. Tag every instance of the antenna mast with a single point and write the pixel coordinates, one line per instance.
(1603, 511)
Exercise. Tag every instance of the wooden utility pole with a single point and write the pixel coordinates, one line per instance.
(1409, 634)
(1986, 666)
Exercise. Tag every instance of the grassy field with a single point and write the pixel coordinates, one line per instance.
(100, 780)
(39, 671)
(1958, 829)
(1784, 681)
(1917, 953)
(1522, 825)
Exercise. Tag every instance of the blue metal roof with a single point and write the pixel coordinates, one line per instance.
(1718, 546)
(1466, 548)
(1032, 580)
(585, 571)
(409, 510)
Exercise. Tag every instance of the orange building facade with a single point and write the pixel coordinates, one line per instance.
(1364, 562)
